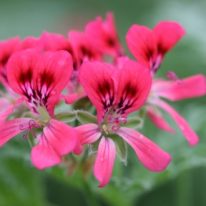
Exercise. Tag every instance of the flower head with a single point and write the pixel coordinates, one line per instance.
(39, 79)
(116, 92)
(83, 47)
(104, 35)
(150, 46)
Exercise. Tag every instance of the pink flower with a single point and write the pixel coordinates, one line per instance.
(104, 35)
(116, 92)
(84, 50)
(194, 86)
(84, 47)
(39, 79)
(150, 46)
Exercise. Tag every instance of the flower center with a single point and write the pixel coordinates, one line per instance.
(112, 122)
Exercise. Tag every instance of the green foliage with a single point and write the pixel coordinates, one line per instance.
(20, 184)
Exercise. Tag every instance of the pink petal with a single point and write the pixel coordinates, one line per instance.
(6, 108)
(59, 64)
(43, 155)
(185, 128)
(60, 136)
(134, 84)
(104, 161)
(97, 80)
(88, 133)
(167, 34)
(54, 42)
(158, 120)
(24, 62)
(142, 44)
(11, 128)
(31, 71)
(194, 86)
(7, 48)
(56, 140)
(104, 35)
(150, 154)
(83, 47)
(30, 42)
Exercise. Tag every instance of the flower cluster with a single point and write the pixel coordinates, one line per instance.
(51, 82)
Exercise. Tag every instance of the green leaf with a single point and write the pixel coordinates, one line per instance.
(85, 117)
(66, 116)
(122, 150)
(135, 122)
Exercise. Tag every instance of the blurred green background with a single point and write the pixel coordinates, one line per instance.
(184, 182)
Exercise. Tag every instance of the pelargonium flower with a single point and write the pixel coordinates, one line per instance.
(83, 47)
(38, 78)
(104, 35)
(117, 92)
(150, 46)
(194, 86)
(84, 50)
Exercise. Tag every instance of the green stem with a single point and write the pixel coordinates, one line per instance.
(90, 196)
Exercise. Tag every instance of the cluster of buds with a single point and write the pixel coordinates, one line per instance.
(47, 80)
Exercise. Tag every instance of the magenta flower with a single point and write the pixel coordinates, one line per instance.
(150, 46)
(116, 92)
(39, 79)
(104, 35)
(83, 47)
(194, 86)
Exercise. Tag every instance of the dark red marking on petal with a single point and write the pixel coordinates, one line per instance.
(149, 53)
(46, 78)
(106, 93)
(111, 42)
(128, 98)
(5, 59)
(86, 52)
(25, 76)
(161, 49)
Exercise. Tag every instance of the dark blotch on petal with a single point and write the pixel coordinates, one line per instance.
(161, 49)
(86, 52)
(46, 78)
(26, 76)
(111, 42)
(106, 89)
(129, 95)
(149, 53)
